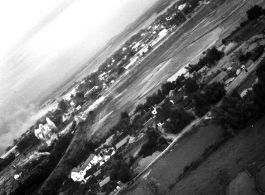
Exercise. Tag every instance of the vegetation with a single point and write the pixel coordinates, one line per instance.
(178, 119)
(120, 171)
(191, 86)
(235, 112)
(254, 12)
(43, 170)
(212, 55)
(28, 141)
(6, 161)
(63, 105)
(244, 58)
(154, 143)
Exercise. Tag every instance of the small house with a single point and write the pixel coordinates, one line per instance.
(219, 78)
(104, 181)
(122, 142)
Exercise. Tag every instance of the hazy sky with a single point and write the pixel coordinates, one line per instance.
(42, 41)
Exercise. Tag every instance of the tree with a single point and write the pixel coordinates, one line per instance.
(166, 87)
(178, 119)
(124, 115)
(124, 174)
(62, 105)
(201, 105)
(261, 68)
(56, 116)
(80, 95)
(254, 12)
(191, 86)
(259, 93)
(214, 92)
(121, 70)
(5, 162)
(139, 108)
(120, 171)
(243, 58)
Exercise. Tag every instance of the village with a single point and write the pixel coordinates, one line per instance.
(221, 69)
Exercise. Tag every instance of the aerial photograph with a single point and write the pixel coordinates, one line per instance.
(132, 97)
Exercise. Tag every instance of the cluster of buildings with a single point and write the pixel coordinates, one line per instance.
(144, 48)
(94, 165)
(80, 173)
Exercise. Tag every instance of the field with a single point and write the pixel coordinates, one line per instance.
(260, 180)
(213, 175)
(182, 154)
(243, 184)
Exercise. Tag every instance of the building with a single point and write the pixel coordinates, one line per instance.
(102, 76)
(149, 122)
(122, 142)
(133, 60)
(90, 91)
(179, 96)
(9, 152)
(219, 78)
(228, 81)
(186, 101)
(257, 53)
(161, 35)
(204, 70)
(78, 173)
(104, 181)
(245, 92)
(97, 173)
(162, 114)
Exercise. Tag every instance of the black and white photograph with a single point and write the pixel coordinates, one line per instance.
(132, 97)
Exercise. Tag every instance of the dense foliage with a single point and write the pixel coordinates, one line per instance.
(210, 95)
(254, 12)
(120, 171)
(43, 170)
(211, 57)
(235, 111)
(5, 162)
(154, 143)
(178, 119)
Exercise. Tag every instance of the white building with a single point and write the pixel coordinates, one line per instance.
(78, 173)
(133, 60)
(161, 35)
(122, 142)
(102, 76)
(104, 181)
(9, 152)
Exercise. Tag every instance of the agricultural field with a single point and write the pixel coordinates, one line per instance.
(214, 175)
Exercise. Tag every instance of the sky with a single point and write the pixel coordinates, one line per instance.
(42, 42)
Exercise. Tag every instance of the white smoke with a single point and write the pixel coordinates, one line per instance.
(12, 125)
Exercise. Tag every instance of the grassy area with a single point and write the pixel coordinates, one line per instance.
(166, 170)
(260, 179)
(214, 174)
(243, 184)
